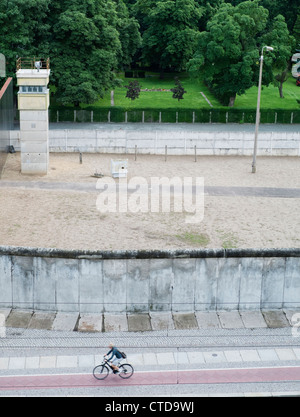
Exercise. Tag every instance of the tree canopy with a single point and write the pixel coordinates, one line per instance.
(89, 41)
(228, 51)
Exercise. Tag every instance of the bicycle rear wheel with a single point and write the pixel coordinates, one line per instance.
(101, 372)
(126, 370)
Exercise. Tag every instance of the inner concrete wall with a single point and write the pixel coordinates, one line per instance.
(143, 281)
(179, 141)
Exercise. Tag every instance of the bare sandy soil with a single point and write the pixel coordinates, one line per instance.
(70, 219)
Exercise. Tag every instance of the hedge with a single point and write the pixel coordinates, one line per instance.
(147, 115)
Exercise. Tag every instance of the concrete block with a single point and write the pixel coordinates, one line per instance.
(67, 285)
(250, 355)
(229, 272)
(196, 357)
(34, 158)
(253, 319)
(48, 362)
(45, 284)
(207, 320)
(275, 319)
(86, 361)
(160, 281)
(214, 357)
(32, 362)
(114, 282)
(34, 147)
(233, 356)
(137, 284)
(91, 286)
(90, 323)
(42, 321)
(161, 321)
(5, 281)
(230, 320)
(292, 284)
(65, 321)
(34, 169)
(251, 282)
(139, 323)
(185, 321)
(115, 323)
(183, 296)
(16, 363)
(286, 354)
(4, 362)
(19, 319)
(206, 284)
(166, 358)
(66, 362)
(268, 355)
(22, 279)
(273, 283)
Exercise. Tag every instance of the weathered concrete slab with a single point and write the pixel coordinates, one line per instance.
(208, 320)
(19, 319)
(185, 321)
(275, 319)
(230, 320)
(253, 319)
(42, 320)
(115, 323)
(139, 323)
(162, 320)
(65, 322)
(91, 323)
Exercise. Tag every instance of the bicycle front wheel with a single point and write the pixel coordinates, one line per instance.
(101, 372)
(126, 371)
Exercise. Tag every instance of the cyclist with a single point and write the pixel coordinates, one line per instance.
(115, 357)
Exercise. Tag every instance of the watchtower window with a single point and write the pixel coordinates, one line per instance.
(33, 89)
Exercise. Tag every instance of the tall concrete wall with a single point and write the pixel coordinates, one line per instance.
(180, 141)
(184, 280)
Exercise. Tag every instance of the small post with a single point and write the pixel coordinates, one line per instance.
(135, 152)
(195, 153)
(80, 157)
(166, 152)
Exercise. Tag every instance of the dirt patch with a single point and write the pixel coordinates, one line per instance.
(70, 219)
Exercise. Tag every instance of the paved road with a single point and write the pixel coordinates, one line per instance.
(208, 190)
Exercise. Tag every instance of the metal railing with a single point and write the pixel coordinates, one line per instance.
(33, 63)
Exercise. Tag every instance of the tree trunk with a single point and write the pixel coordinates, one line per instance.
(231, 100)
(280, 88)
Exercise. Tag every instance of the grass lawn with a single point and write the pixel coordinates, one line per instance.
(270, 98)
(161, 99)
(193, 99)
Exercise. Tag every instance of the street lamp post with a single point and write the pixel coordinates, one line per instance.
(268, 48)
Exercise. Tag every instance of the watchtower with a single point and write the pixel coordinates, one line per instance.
(33, 103)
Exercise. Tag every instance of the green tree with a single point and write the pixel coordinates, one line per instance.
(23, 26)
(227, 56)
(296, 31)
(133, 90)
(129, 34)
(283, 43)
(178, 91)
(170, 29)
(86, 49)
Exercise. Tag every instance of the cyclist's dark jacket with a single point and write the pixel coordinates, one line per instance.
(114, 352)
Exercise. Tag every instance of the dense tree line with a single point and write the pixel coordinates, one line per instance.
(89, 41)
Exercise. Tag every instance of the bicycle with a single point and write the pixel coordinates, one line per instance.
(102, 371)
